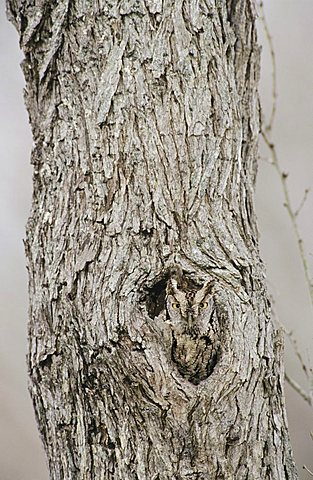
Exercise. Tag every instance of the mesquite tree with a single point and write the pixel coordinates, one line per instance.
(145, 119)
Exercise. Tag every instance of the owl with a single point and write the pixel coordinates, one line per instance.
(193, 319)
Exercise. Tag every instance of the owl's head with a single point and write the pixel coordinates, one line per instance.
(188, 309)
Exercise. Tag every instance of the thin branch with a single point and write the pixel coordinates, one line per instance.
(294, 344)
(306, 397)
(266, 134)
(287, 203)
(307, 371)
(304, 199)
(309, 471)
(269, 126)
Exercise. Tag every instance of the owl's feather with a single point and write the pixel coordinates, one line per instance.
(201, 294)
(191, 314)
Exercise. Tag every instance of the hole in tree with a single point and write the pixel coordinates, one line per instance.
(155, 297)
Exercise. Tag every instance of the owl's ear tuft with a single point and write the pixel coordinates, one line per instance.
(174, 290)
(172, 287)
(204, 291)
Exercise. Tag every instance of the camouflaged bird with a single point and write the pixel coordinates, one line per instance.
(192, 317)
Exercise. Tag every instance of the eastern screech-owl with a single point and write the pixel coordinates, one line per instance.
(194, 322)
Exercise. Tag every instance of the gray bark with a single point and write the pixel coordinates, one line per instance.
(145, 122)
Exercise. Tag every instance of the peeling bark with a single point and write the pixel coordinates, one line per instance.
(145, 122)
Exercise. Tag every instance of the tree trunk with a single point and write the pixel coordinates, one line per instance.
(145, 121)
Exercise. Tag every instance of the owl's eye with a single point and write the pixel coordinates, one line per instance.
(203, 305)
(176, 305)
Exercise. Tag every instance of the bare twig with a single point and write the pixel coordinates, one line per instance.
(307, 371)
(306, 397)
(305, 196)
(294, 344)
(266, 134)
(269, 126)
(283, 176)
(309, 471)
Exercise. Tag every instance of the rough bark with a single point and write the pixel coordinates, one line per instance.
(145, 122)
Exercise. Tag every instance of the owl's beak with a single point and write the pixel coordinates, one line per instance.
(189, 318)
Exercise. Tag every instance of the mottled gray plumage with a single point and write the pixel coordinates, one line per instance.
(192, 316)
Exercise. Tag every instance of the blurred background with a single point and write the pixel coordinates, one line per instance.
(290, 23)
